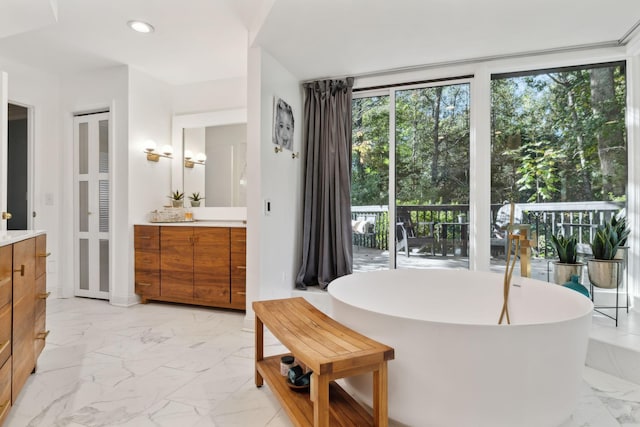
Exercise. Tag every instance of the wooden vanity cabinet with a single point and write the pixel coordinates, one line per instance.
(22, 314)
(195, 265)
(147, 261)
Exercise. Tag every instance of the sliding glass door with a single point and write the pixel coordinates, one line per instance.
(410, 192)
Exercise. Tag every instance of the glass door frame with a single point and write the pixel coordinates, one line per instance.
(473, 168)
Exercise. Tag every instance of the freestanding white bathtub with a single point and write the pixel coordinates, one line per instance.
(454, 365)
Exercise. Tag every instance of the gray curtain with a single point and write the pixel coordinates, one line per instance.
(326, 135)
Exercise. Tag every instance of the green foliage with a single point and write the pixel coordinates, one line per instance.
(546, 131)
(566, 248)
(196, 197)
(606, 242)
(177, 195)
(620, 226)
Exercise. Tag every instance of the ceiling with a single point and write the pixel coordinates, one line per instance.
(201, 40)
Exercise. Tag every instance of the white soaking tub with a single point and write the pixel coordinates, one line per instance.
(454, 365)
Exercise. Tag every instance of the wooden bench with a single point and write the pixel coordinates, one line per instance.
(331, 351)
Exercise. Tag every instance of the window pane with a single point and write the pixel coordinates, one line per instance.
(84, 264)
(104, 265)
(83, 206)
(370, 183)
(432, 176)
(559, 152)
(83, 148)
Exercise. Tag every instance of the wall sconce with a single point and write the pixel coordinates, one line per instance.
(152, 156)
(200, 159)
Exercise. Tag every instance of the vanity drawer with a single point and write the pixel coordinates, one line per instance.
(147, 261)
(5, 390)
(5, 333)
(148, 284)
(146, 237)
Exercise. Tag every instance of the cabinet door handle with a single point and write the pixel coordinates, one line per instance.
(44, 296)
(144, 237)
(21, 270)
(143, 284)
(42, 335)
(2, 347)
(241, 267)
(241, 293)
(44, 255)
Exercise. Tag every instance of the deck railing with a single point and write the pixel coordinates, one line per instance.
(443, 229)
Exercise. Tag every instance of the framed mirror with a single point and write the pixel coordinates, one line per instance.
(210, 159)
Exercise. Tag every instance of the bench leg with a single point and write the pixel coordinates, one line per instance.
(380, 396)
(259, 349)
(320, 397)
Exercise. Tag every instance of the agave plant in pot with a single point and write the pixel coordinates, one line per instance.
(177, 199)
(567, 264)
(195, 199)
(605, 270)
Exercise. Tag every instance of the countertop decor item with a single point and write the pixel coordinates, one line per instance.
(195, 199)
(177, 199)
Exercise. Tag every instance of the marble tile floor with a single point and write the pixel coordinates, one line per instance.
(172, 365)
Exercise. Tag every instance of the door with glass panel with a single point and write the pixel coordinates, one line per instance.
(432, 176)
(92, 205)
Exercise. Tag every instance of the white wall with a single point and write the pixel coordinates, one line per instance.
(40, 91)
(150, 113)
(273, 241)
(105, 88)
(210, 96)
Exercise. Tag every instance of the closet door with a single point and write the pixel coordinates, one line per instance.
(92, 205)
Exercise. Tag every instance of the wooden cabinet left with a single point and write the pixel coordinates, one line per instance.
(22, 315)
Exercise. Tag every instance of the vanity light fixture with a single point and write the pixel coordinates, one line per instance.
(189, 162)
(141, 26)
(152, 155)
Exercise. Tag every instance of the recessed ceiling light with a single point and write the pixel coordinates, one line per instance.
(140, 26)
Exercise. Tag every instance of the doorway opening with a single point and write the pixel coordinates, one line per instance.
(18, 167)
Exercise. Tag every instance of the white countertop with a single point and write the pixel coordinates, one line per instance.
(200, 223)
(12, 236)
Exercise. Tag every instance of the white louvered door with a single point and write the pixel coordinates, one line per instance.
(92, 205)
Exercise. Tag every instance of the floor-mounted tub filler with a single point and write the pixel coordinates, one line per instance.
(454, 365)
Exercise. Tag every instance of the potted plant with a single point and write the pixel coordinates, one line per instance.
(177, 199)
(605, 271)
(195, 199)
(620, 225)
(567, 264)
